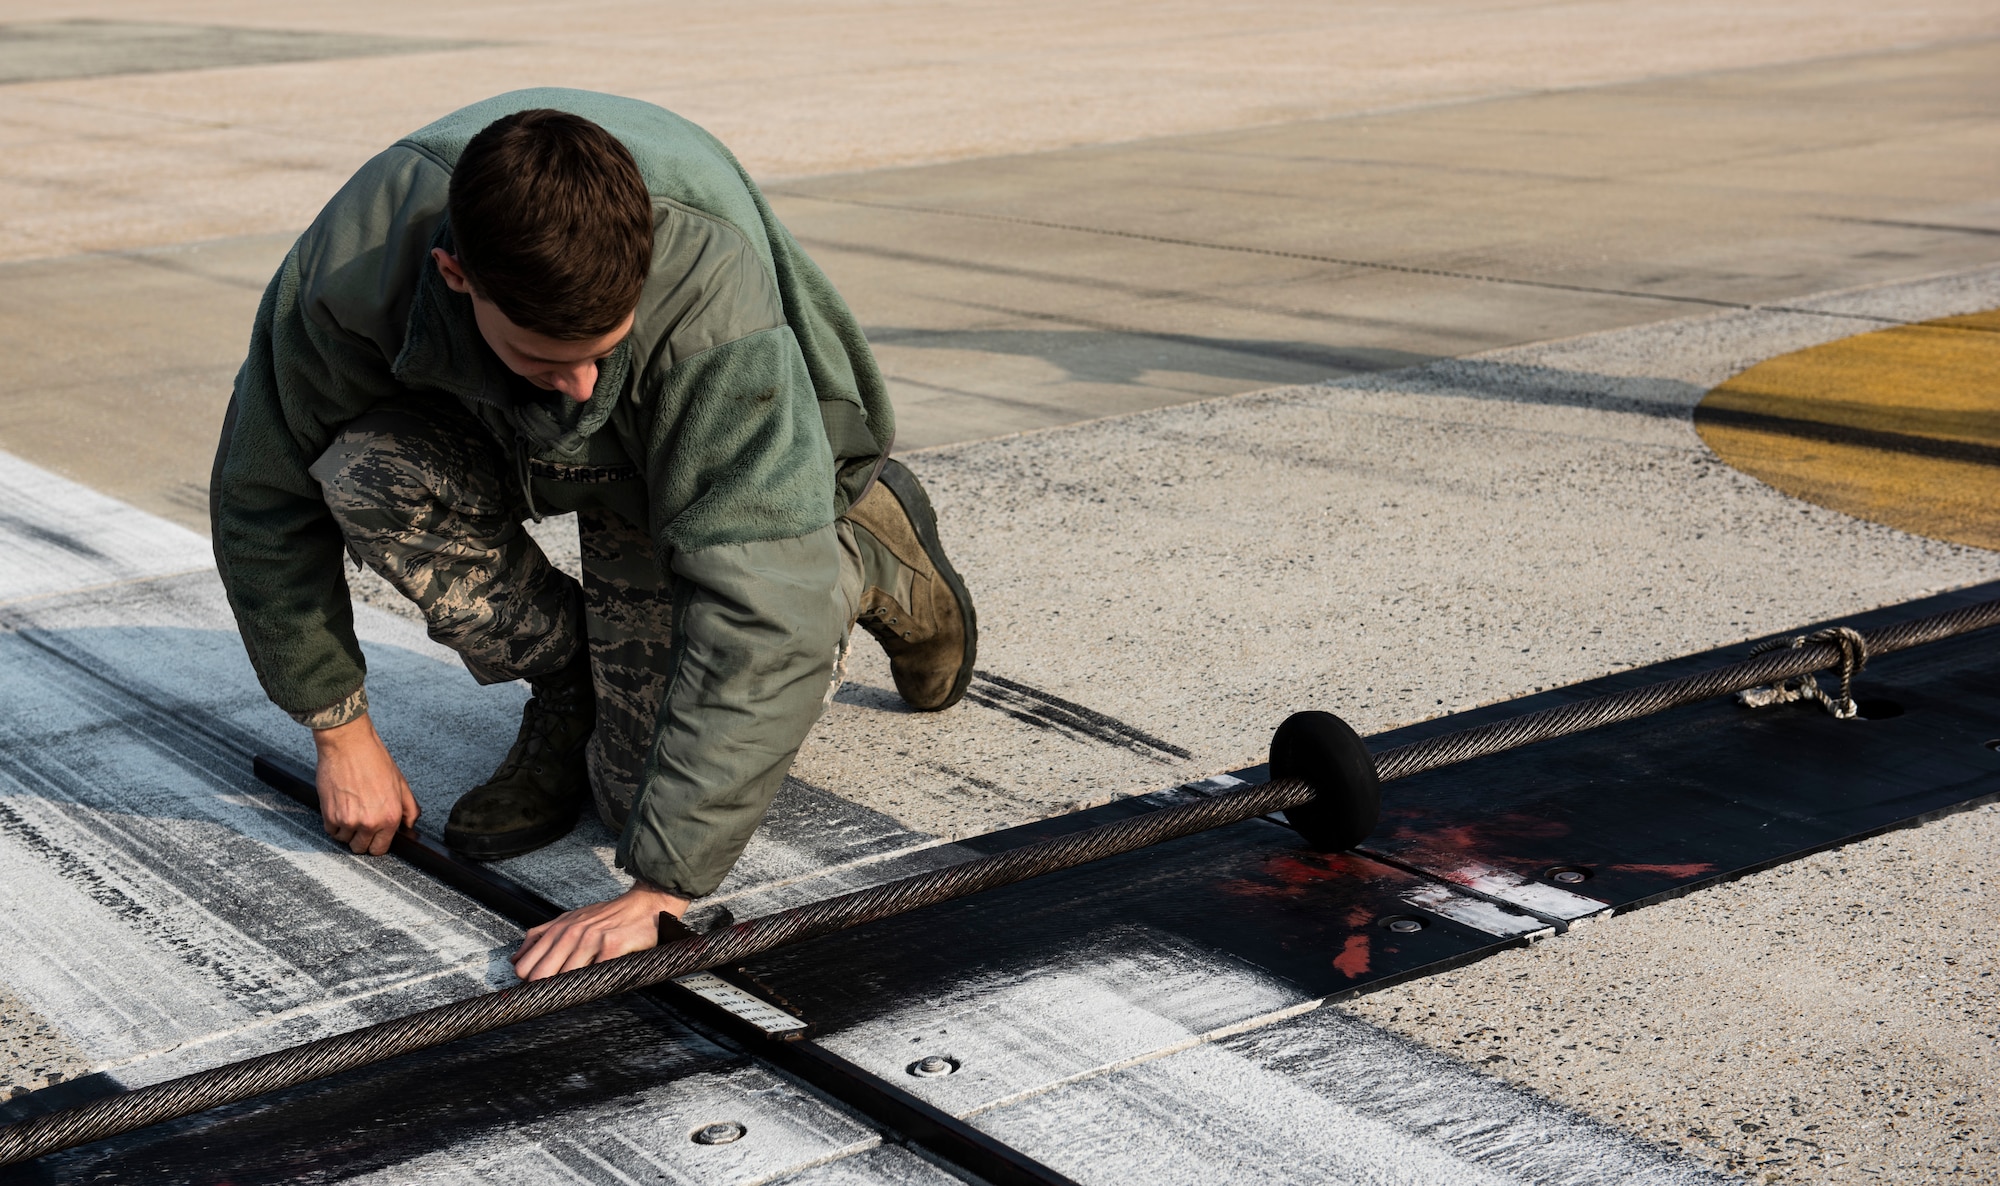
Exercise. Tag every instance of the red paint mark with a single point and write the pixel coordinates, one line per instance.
(1292, 875)
(1677, 871)
(1352, 962)
(1307, 868)
(1251, 889)
(1360, 916)
(1486, 834)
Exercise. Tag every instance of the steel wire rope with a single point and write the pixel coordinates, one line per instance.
(234, 1082)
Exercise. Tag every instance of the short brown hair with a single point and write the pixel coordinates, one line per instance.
(552, 222)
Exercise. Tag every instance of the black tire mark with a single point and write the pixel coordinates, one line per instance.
(1043, 710)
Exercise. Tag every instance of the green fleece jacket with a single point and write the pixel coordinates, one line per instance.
(745, 397)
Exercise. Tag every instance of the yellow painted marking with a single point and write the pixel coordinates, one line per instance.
(1900, 426)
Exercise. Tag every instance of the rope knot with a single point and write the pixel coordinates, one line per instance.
(1853, 657)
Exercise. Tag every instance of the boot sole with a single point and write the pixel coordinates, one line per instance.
(917, 506)
(498, 846)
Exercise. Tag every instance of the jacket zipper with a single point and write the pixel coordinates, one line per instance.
(527, 482)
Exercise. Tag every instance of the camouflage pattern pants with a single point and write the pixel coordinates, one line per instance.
(426, 498)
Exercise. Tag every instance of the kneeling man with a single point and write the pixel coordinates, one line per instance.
(557, 301)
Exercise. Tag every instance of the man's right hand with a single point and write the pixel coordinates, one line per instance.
(363, 797)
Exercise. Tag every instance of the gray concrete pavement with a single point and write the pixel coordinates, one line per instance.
(1018, 292)
(35, 51)
(1021, 292)
(37, 1053)
(123, 363)
(141, 160)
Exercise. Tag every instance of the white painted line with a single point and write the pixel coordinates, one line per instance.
(105, 587)
(1188, 792)
(775, 1022)
(1501, 885)
(60, 536)
(1087, 1006)
(1476, 913)
(1516, 890)
(642, 1136)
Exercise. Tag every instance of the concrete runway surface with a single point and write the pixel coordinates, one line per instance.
(1258, 358)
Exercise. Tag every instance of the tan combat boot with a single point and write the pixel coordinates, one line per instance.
(914, 602)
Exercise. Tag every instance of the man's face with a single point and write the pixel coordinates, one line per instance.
(549, 363)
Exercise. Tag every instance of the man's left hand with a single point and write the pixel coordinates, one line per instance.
(627, 923)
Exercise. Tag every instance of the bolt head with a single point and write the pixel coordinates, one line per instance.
(933, 1066)
(719, 1134)
(1568, 876)
(1406, 926)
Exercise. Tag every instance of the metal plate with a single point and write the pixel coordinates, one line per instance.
(1249, 894)
(1662, 805)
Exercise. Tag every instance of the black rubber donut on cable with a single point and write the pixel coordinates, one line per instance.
(1318, 749)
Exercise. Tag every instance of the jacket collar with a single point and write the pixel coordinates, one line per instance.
(443, 351)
